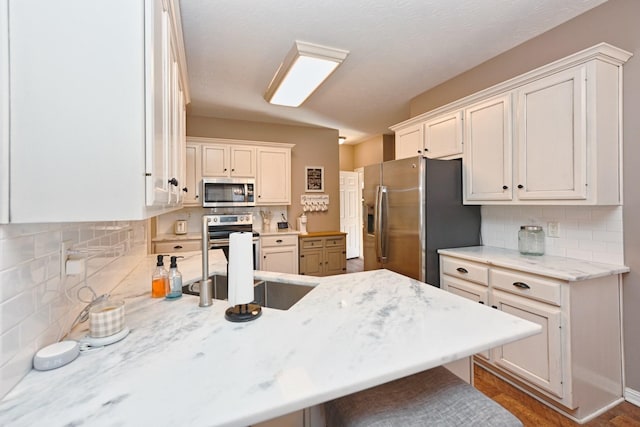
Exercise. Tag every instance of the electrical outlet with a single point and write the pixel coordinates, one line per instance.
(553, 229)
(65, 246)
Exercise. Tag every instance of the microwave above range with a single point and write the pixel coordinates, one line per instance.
(226, 192)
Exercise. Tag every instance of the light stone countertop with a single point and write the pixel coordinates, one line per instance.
(186, 365)
(569, 269)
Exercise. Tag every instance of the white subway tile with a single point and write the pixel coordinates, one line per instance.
(16, 309)
(9, 345)
(608, 236)
(16, 250)
(34, 325)
(47, 243)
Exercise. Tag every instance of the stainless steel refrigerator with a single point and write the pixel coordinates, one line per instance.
(413, 207)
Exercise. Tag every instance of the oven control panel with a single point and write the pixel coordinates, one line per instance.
(229, 219)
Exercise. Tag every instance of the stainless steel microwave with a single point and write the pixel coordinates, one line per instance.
(223, 192)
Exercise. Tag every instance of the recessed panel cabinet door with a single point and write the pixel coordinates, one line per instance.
(487, 150)
(193, 176)
(409, 142)
(537, 359)
(273, 183)
(552, 137)
(443, 136)
(215, 160)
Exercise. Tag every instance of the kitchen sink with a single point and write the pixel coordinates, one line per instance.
(267, 293)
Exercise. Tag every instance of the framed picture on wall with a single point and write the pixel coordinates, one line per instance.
(314, 179)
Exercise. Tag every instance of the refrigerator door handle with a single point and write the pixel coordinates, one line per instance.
(380, 221)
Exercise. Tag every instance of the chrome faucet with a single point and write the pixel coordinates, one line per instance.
(205, 288)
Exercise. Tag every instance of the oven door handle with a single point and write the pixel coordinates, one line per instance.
(222, 243)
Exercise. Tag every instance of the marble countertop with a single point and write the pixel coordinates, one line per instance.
(186, 365)
(569, 269)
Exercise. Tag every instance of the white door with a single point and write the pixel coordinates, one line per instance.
(350, 211)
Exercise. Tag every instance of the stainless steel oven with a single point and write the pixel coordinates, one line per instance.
(219, 226)
(228, 192)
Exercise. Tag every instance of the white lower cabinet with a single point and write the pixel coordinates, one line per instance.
(279, 253)
(575, 363)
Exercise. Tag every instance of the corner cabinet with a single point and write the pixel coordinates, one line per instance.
(575, 363)
(323, 253)
(104, 126)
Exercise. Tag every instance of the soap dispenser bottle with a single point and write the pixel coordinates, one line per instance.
(160, 279)
(175, 279)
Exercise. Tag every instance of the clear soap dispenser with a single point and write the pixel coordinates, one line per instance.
(175, 279)
(160, 279)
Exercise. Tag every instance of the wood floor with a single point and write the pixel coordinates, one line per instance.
(533, 413)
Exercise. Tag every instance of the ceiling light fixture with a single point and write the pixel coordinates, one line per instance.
(304, 68)
(342, 139)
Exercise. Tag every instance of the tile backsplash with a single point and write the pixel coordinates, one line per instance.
(193, 216)
(37, 304)
(584, 232)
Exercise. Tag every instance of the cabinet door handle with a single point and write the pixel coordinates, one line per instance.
(185, 189)
(520, 186)
(419, 151)
(481, 302)
(504, 187)
(177, 247)
(279, 241)
(493, 306)
(173, 182)
(521, 285)
(461, 270)
(233, 170)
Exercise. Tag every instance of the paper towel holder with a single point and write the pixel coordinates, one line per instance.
(243, 312)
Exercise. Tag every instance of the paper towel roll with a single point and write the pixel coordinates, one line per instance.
(240, 278)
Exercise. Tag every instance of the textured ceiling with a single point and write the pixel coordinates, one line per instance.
(398, 49)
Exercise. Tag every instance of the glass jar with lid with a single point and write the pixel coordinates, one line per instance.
(531, 240)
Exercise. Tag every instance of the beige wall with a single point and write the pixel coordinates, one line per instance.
(314, 147)
(615, 22)
(346, 157)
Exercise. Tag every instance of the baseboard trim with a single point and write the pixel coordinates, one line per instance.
(632, 396)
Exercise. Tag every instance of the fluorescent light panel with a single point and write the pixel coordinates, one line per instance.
(305, 67)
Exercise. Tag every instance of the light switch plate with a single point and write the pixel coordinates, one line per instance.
(553, 229)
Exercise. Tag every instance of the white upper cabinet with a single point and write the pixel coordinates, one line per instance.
(550, 136)
(273, 183)
(410, 141)
(269, 163)
(193, 175)
(96, 112)
(435, 137)
(223, 160)
(487, 157)
(443, 136)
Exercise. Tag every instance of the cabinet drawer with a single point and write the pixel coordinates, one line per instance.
(527, 285)
(467, 270)
(334, 241)
(287, 240)
(178, 246)
(312, 243)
